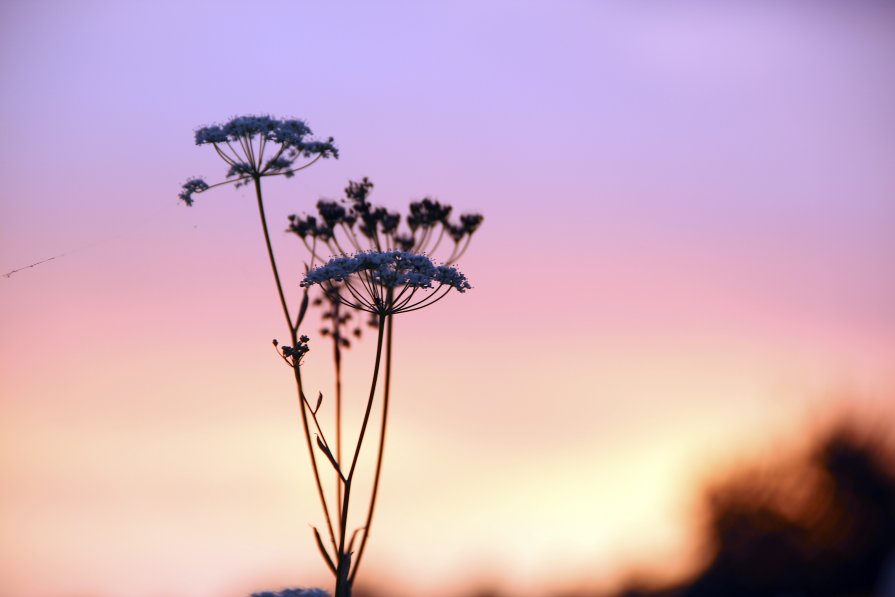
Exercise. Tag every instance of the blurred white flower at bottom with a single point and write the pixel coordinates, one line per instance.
(293, 593)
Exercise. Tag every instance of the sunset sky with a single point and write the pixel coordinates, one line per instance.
(686, 262)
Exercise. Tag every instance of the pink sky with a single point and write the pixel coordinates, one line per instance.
(687, 257)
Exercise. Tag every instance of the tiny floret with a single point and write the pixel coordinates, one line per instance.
(211, 134)
(295, 353)
(291, 131)
(190, 187)
(471, 222)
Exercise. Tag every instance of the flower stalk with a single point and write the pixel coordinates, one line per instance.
(387, 274)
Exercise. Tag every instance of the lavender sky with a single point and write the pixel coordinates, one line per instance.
(687, 257)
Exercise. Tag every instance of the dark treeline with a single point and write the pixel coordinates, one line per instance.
(823, 526)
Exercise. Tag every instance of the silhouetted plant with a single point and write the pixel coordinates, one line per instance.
(383, 283)
(355, 224)
(378, 278)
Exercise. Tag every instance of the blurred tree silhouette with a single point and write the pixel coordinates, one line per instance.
(827, 529)
(823, 526)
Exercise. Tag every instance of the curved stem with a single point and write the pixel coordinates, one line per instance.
(299, 169)
(218, 184)
(262, 143)
(274, 158)
(386, 388)
(273, 261)
(457, 255)
(438, 241)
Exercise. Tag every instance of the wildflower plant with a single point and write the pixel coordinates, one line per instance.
(375, 267)
(353, 223)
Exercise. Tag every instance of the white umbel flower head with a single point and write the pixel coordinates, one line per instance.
(386, 282)
(293, 593)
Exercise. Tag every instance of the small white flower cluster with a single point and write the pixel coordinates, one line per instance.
(293, 593)
(389, 269)
(242, 141)
(385, 282)
(296, 353)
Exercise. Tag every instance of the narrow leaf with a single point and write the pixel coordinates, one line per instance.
(353, 537)
(303, 309)
(319, 402)
(323, 552)
(329, 455)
